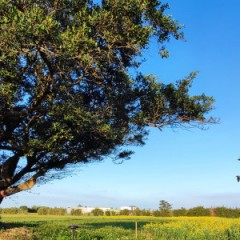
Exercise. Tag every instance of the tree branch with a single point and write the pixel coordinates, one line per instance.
(23, 186)
(7, 170)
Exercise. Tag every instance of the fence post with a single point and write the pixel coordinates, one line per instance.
(136, 230)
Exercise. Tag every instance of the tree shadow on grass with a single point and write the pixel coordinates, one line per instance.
(122, 224)
(10, 225)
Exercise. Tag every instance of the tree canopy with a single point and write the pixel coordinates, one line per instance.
(165, 208)
(71, 87)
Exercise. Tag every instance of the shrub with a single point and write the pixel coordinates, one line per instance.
(156, 213)
(23, 209)
(33, 209)
(57, 211)
(42, 211)
(97, 212)
(198, 211)
(227, 212)
(180, 212)
(13, 210)
(108, 213)
(76, 212)
(125, 212)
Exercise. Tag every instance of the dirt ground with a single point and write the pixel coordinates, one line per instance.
(15, 234)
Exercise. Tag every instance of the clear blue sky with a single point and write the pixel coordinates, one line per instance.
(187, 168)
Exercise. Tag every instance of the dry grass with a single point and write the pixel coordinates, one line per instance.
(15, 234)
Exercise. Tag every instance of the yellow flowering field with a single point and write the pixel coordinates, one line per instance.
(194, 228)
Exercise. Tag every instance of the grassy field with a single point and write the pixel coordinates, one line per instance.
(35, 227)
(56, 227)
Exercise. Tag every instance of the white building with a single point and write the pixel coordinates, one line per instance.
(86, 210)
(130, 208)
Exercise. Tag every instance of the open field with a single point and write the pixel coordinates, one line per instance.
(35, 227)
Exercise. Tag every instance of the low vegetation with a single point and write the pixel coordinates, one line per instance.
(162, 212)
(195, 228)
(32, 226)
(44, 223)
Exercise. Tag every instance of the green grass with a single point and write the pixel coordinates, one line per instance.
(127, 222)
(123, 228)
(56, 227)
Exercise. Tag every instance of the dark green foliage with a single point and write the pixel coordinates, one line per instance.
(113, 213)
(110, 213)
(227, 212)
(107, 213)
(195, 212)
(51, 211)
(156, 213)
(141, 212)
(60, 231)
(43, 211)
(10, 210)
(76, 212)
(57, 211)
(125, 212)
(179, 212)
(165, 208)
(23, 209)
(198, 211)
(97, 212)
(145, 212)
(33, 209)
(66, 92)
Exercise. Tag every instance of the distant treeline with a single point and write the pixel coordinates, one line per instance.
(196, 211)
(34, 209)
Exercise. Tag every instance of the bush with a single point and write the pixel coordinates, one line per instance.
(76, 212)
(51, 211)
(180, 212)
(198, 211)
(57, 211)
(33, 209)
(13, 210)
(156, 213)
(145, 212)
(23, 209)
(97, 212)
(42, 211)
(227, 212)
(125, 212)
(141, 212)
(108, 213)
(137, 212)
(114, 213)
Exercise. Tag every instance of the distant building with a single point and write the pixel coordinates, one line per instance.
(130, 208)
(87, 210)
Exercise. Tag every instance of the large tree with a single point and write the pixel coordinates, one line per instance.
(71, 87)
(165, 208)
